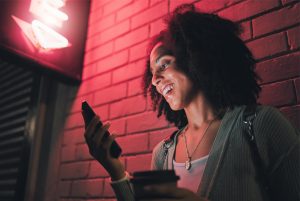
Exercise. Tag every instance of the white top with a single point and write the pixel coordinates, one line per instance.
(191, 178)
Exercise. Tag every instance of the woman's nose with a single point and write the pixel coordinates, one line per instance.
(156, 79)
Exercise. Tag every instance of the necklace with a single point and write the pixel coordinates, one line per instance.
(188, 163)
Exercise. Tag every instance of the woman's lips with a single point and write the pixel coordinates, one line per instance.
(167, 89)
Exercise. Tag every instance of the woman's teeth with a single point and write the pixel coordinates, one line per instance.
(167, 89)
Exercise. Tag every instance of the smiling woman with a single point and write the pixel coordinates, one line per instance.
(201, 76)
(169, 81)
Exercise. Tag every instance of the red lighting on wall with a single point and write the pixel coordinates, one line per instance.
(40, 34)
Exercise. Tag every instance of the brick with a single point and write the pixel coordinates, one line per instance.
(110, 94)
(134, 143)
(149, 103)
(138, 163)
(280, 68)
(118, 127)
(156, 27)
(292, 114)
(95, 83)
(155, 12)
(74, 120)
(174, 4)
(98, 4)
(101, 25)
(297, 87)
(209, 6)
(98, 53)
(108, 190)
(87, 188)
(246, 34)
(248, 9)
(73, 137)
(138, 51)
(68, 153)
(129, 71)
(89, 71)
(93, 42)
(102, 112)
(115, 31)
(115, 5)
(97, 170)
(156, 136)
(268, 46)
(64, 188)
(128, 106)
(131, 10)
(146, 121)
(76, 170)
(113, 61)
(294, 38)
(135, 87)
(278, 94)
(153, 2)
(82, 152)
(132, 38)
(276, 20)
(95, 14)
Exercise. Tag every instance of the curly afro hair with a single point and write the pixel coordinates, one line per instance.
(209, 51)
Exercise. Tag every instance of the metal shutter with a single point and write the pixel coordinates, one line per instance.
(16, 87)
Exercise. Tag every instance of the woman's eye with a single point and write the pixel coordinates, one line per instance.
(164, 66)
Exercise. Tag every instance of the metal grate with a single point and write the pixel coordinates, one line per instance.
(16, 86)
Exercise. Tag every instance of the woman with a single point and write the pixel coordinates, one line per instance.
(200, 75)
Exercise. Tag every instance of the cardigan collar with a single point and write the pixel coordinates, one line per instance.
(216, 153)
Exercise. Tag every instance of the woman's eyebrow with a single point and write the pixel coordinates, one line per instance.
(159, 57)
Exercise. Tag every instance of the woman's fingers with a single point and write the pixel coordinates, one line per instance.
(99, 138)
(91, 128)
(95, 137)
(108, 141)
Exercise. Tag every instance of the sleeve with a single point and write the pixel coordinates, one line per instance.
(158, 156)
(123, 190)
(278, 143)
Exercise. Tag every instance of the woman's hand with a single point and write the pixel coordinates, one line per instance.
(99, 147)
(173, 194)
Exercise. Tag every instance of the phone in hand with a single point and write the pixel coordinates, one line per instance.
(88, 114)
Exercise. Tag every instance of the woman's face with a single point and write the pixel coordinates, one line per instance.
(169, 81)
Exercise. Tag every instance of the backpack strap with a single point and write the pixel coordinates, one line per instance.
(248, 118)
(168, 142)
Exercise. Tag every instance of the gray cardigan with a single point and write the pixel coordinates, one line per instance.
(231, 173)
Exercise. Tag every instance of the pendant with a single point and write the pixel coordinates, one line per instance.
(188, 164)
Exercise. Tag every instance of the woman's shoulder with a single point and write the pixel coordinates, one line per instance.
(270, 123)
(271, 116)
(161, 149)
(166, 143)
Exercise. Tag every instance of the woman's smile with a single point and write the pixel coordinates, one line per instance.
(169, 81)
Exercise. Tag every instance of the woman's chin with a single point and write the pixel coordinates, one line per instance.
(175, 107)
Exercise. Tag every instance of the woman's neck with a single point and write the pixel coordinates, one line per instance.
(198, 111)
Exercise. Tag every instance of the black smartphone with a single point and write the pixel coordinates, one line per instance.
(88, 114)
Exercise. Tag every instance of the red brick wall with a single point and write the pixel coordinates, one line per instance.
(118, 33)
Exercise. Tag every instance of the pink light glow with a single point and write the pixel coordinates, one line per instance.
(57, 3)
(39, 34)
(47, 37)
